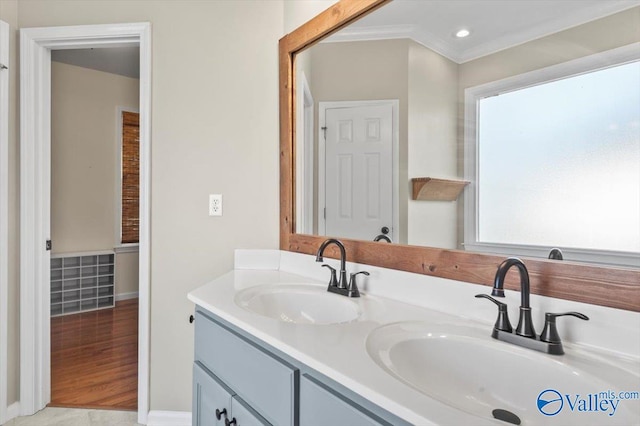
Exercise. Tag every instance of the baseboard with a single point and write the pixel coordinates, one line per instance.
(126, 296)
(169, 418)
(13, 411)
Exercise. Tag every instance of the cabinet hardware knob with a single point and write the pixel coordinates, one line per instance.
(191, 319)
(220, 413)
(228, 422)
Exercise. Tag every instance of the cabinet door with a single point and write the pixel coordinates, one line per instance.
(322, 406)
(209, 394)
(245, 415)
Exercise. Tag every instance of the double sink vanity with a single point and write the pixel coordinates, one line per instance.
(273, 346)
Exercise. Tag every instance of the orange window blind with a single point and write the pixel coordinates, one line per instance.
(130, 177)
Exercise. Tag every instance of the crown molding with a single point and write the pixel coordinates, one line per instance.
(447, 49)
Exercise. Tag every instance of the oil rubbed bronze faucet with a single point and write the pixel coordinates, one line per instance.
(525, 323)
(339, 286)
(524, 334)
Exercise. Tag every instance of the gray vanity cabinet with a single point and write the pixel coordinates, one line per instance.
(259, 385)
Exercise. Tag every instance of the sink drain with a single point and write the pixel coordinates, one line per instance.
(506, 416)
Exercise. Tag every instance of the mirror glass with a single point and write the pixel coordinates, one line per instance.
(448, 124)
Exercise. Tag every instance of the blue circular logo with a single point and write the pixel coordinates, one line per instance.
(550, 402)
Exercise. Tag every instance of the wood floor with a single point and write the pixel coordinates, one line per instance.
(94, 358)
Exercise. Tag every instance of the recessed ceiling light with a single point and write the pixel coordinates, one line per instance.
(463, 33)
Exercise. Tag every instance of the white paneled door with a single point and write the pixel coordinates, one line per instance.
(358, 173)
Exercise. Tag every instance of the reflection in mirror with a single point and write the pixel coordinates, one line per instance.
(395, 96)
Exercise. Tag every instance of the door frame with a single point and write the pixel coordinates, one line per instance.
(304, 157)
(4, 218)
(35, 178)
(395, 161)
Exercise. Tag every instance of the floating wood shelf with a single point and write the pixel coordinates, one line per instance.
(431, 189)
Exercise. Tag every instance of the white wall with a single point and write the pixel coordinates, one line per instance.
(214, 130)
(298, 12)
(84, 168)
(432, 127)
(126, 285)
(84, 147)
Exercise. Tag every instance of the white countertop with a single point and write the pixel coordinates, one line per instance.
(339, 350)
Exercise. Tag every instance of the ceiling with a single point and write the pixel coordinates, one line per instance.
(116, 60)
(494, 24)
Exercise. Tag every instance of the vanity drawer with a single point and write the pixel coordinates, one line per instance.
(321, 406)
(266, 383)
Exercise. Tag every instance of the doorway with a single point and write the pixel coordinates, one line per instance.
(358, 169)
(35, 173)
(94, 227)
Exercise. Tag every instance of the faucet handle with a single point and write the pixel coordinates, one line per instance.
(550, 332)
(333, 281)
(352, 288)
(502, 322)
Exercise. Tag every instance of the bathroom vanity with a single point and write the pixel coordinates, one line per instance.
(272, 346)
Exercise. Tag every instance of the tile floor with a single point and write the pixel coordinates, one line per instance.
(52, 416)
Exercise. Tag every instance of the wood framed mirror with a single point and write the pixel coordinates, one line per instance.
(617, 287)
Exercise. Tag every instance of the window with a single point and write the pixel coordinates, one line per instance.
(556, 162)
(130, 178)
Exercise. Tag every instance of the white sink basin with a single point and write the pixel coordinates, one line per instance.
(298, 303)
(464, 368)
